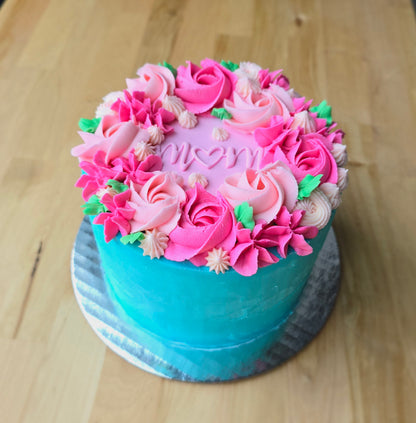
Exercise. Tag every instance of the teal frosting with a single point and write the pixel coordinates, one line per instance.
(188, 314)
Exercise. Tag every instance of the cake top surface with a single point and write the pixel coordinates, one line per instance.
(222, 164)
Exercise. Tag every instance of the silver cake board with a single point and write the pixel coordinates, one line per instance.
(308, 318)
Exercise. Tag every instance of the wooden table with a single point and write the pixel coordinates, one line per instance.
(58, 57)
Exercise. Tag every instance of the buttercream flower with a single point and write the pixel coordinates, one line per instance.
(207, 222)
(287, 231)
(205, 87)
(155, 81)
(139, 109)
(276, 77)
(138, 172)
(266, 190)
(97, 173)
(157, 204)
(251, 250)
(118, 216)
(256, 110)
(113, 137)
(317, 209)
(311, 155)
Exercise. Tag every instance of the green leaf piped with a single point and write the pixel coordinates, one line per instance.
(170, 67)
(89, 125)
(221, 113)
(93, 206)
(117, 186)
(324, 111)
(244, 214)
(229, 65)
(307, 185)
(132, 238)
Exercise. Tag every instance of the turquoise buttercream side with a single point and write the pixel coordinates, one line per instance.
(188, 306)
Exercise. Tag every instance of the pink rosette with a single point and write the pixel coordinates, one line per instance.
(118, 215)
(311, 155)
(266, 190)
(256, 110)
(155, 81)
(113, 137)
(205, 87)
(251, 250)
(157, 205)
(207, 222)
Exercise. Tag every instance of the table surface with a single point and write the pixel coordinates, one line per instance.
(58, 57)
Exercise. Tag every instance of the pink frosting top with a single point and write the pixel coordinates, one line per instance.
(143, 165)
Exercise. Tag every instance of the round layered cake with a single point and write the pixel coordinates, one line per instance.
(211, 190)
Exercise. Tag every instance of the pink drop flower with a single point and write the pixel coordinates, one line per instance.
(288, 232)
(117, 218)
(97, 173)
(139, 109)
(251, 250)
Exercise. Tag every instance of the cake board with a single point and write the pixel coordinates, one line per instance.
(130, 342)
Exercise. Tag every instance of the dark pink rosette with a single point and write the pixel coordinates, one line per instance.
(205, 87)
(207, 222)
(304, 154)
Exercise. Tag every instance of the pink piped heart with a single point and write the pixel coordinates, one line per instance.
(208, 158)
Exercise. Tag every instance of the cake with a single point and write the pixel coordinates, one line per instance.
(211, 189)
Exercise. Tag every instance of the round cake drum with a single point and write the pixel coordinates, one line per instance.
(130, 342)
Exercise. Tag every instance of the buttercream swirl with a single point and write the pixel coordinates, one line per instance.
(154, 80)
(154, 243)
(195, 178)
(266, 190)
(218, 260)
(143, 150)
(339, 152)
(157, 204)
(187, 119)
(317, 209)
(173, 104)
(156, 135)
(342, 178)
(105, 107)
(333, 194)
(305, 121)
(220, 134)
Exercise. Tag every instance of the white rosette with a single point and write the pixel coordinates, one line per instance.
(317, 209)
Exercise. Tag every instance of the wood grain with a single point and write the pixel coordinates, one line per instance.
(58, 57)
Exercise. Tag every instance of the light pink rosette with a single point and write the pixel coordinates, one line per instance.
(266, 190)
(256, 110)
(157, 204)
(113, 137)
(155, 81)
(205, 87)
(207, 222)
